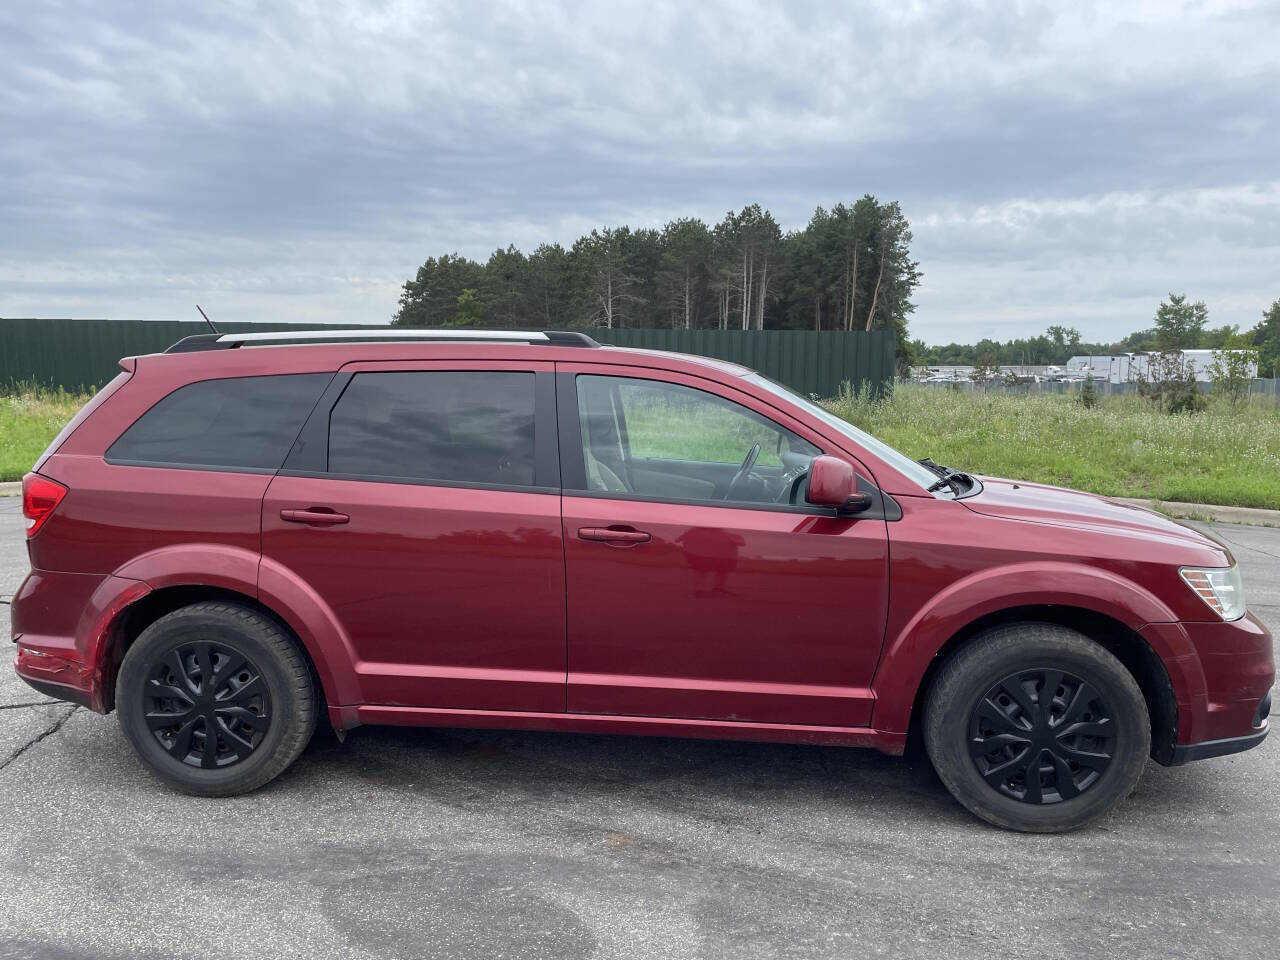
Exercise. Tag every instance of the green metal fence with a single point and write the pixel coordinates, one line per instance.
(809, 361)
(82, 354)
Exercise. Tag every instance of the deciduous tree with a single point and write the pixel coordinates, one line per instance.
(1232, 368)
(1179, 324)
(1266, 338)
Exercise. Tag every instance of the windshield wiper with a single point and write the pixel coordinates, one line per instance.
(936, 468)
(952, 480)
(955, 479)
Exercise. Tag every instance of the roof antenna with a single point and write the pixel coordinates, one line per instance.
(208, 321)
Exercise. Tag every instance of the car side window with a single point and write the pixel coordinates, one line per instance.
(665, 440)
(236, 423)
(474, 427)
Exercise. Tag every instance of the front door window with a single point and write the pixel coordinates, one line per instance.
(665, 440)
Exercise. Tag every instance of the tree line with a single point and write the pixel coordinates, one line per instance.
(849, 268)
(1178, 324)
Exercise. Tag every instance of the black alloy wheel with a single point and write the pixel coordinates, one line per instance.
(1041, 736)
(217, 698)
(207, 704)
(1036, 727)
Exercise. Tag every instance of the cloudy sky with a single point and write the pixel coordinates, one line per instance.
(1059, 162)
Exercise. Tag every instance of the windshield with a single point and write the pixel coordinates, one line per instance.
(909, 468)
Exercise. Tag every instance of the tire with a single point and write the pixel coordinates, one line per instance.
(1038, 774)
(262, 707)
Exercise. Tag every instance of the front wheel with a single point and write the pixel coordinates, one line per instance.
(216, 698)
(1034, 727)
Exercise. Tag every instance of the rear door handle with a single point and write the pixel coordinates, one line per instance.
(315, 516)
(612, 535)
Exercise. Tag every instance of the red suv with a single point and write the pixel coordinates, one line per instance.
(529, 530)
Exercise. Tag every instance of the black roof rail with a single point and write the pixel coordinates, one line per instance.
(570, 338)
(228, 341)
(199, 341)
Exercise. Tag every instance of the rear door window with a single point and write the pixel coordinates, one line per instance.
(244, 423)
(470, 427)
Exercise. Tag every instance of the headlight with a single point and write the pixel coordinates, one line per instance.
(1219, 587)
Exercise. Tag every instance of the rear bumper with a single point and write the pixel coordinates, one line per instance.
(54, 677)
(61, 623)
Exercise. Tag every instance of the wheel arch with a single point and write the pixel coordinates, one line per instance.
(1100, 600)
(1121, 640)
(133, 619)
(222, 571)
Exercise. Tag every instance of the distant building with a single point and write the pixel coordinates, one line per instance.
(1201, 360)
(1115, 368)
(1129, 367)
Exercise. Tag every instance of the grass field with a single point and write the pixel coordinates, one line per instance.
(1120, 447)
(29, 419)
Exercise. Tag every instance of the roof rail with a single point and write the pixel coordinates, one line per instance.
(227, 341)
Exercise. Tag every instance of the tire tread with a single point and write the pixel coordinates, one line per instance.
(302, 720)
(1007, 644)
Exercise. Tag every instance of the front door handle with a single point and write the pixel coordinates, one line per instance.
(620, 535)
(315, 516)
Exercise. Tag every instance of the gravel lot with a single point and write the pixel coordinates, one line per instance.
(424, 843)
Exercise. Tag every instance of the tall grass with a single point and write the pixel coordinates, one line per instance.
(1120, 447)
(31, 416)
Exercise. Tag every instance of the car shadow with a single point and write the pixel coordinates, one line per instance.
(468, 767)
(716, 781)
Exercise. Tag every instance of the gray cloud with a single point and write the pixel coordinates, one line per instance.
(299, 160)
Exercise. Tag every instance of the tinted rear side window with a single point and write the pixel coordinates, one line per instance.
(240, 422)
(449, 426)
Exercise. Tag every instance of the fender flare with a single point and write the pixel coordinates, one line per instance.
(909, 653)
(314, 622)
(196, 564)
(275, 587)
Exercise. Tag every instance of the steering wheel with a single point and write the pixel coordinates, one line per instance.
(743, 471)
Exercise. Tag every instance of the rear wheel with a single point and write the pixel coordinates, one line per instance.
(216, 698)
(1035, 727)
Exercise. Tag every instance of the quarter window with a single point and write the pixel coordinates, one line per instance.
(446, 426)
(238, 422)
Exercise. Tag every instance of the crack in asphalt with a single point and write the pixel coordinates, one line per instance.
(33, 703)
(1246, 546)
(47, 732)
(1242, 546)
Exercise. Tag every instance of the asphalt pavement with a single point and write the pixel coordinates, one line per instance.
(458, 844)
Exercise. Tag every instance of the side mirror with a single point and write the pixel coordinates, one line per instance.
(832, 484)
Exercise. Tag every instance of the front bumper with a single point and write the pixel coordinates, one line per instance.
(1186, 752)
(1222, 674)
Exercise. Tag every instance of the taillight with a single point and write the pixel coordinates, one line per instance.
(40, 497)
